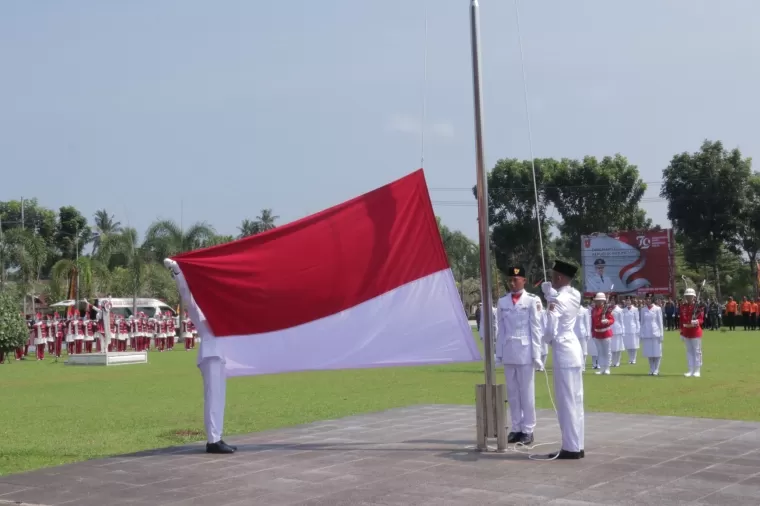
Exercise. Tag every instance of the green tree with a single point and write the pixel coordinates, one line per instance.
(248, 228)
(749, 227)
(165, 238)
(105, 225)
(72, 233)
(13, 332)
(512, 214)
(595, 196)
(266, 220)
(706, 194)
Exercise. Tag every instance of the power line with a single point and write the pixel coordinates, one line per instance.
(530, 188)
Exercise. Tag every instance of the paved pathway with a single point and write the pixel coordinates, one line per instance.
(418, 456)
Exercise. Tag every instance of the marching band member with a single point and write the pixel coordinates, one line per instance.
(79, 337)
(652, 334)
(71, 333)
(113, 326)
(152, 332)
(50, 322)
(581, 332)
(602, 320)
(100, 331)
(41, 332)
(186, 332)
(89, 332)
(122, 333)
(563, 302)
(616, 343)
(194, 331)
(171, 331)
(142, 332)
(161, 332)
(690, 320)
(60, 332)
(131, 334)
(631, 330)
(518, 347)
(590, 341)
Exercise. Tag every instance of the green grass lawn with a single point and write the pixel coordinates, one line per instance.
(53, 414)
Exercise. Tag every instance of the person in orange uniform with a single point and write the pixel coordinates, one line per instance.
(731, 308)
(746, 306)
(753, 315)
(690, 320)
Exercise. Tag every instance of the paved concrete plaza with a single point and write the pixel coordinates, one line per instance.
(419, 456)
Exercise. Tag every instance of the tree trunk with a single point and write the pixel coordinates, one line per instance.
(753, 271)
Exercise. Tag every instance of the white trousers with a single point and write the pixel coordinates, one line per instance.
(568, 389)
(521, 397)
(604, 352)
(693, 352)
(214, 394)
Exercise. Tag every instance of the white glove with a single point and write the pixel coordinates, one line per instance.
(498, 361)
(538, 364)
(605, 321)
(546, 287)
(695, 322)
(172, 266)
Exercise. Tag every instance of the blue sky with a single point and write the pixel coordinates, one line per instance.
(222, 108)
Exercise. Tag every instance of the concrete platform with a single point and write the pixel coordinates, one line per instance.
(112, 358)
(418, 456)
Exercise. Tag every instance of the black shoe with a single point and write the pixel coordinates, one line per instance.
(583, 454)
(514, 437)
(565, 455)
(527, 439)
(219, 447)
(231, 446)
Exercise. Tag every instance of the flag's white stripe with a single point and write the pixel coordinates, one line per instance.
(419, 323)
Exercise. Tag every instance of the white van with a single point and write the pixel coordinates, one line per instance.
(123, 306)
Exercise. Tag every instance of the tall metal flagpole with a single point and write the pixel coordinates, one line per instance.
(489, 398)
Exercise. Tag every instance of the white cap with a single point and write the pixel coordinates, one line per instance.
(600, 296)
(689, 291)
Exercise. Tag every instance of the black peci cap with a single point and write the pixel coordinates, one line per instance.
(565, 268)
(516, 272)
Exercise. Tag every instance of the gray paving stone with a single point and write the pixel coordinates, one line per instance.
(422, 456)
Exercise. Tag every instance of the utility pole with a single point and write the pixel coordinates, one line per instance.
(22, 213)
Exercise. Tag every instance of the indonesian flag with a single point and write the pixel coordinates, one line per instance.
(363, 284)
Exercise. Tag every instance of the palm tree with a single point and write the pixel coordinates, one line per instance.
(249, 227)
(165, 238)
(105, 224)
(266, 220)
(26, 251)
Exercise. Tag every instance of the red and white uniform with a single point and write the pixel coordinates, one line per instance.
(690, 321)
(51, 334)
(171, 331)
(60, 332)
(186, 332)
(602, 321)
(41, 334)
(161, 335)
(90, 326)
(123, 334)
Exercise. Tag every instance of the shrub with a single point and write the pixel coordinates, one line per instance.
(13, 331)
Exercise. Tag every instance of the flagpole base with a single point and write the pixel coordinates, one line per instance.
(490, 416)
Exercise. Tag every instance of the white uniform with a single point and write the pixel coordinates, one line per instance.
(596, 283)
(567, 356)
(616, 343)
(494, 325)
(518, 347)
(211, 362)
(631, 330)
(544, 346)
(652, 336)
(591, 342)
(582, 332)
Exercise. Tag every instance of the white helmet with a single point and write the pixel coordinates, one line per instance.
(689, 291)
(600, 296)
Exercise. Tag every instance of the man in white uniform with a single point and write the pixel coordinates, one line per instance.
(652, 335)
(598, 280)
(518, 347)
(581, 331)
(631, 330)
(563, 302)
(211, 363)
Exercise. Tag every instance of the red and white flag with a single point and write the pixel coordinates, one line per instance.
(363, 284)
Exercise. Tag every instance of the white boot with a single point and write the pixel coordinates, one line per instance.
(697, 374)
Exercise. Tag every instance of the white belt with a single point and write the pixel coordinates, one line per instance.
(602, 330)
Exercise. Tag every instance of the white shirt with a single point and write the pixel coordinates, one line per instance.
(562, 311)
(617, 326)
(596, 283)
(631, 324)
(519, 332)
(494, 323)
(582, 323)
(651, 323)
(208, 347)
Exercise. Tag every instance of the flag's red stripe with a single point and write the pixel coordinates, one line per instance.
(319, 265)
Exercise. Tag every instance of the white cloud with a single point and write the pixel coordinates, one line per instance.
(407, 124)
